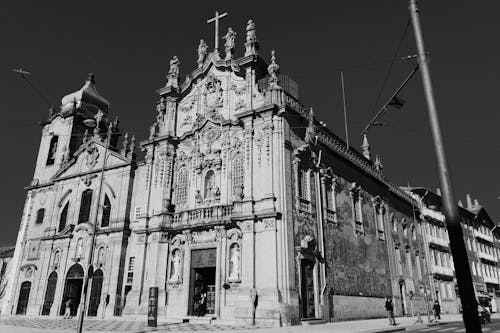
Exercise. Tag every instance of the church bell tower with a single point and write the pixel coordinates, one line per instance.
(81, 114)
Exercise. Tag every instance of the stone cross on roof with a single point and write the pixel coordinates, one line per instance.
(216, 20)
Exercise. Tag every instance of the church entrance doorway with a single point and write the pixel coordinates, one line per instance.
(202, 282)
(95, 293)
(24, 295)
(72, 289)
(307, 289)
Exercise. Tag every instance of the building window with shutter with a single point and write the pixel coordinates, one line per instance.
(85, 205)
(303, 190)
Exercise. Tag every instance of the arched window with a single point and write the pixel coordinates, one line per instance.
(49, 293)
(84, 215)
(182, 186)
(209, 184)
(63, 217)
(52, 150)
(238, 176)
(40, 214)
(106, 212)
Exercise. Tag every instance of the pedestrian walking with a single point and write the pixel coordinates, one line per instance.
(202, 304)
(437, 310)
(67, 312)
(390, 311)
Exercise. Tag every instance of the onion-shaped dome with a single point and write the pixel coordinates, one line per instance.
(86, 99)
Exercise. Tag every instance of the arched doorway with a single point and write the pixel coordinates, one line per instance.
(307, 289)
(72, 289)
(95, 294)
(24, 295)
(49, 293)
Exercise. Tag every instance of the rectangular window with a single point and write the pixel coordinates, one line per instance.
(302, 188)
(85, 205)
(130, 277)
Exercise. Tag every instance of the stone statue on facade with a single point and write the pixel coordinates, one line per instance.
(251, 45)
(230, 38)
(173, 73)
(174, 66)
(311, 135)
(273, 70)
(202, 52)
(175, 274)
(235, 259)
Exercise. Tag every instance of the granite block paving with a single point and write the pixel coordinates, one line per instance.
(116, 325)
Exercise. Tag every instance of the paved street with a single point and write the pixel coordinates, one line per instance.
(493, 327)
(450, 324)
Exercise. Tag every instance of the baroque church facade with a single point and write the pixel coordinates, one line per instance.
(242, 195)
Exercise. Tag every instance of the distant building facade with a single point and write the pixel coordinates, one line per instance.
(242, 195)
(481, 240)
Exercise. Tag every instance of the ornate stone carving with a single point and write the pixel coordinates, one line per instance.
(92, 156)
(205, 236)
(212, 90)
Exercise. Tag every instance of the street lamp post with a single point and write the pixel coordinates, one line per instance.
(450, 209)
(90, 269)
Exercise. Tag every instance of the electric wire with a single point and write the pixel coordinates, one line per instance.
(388, 74)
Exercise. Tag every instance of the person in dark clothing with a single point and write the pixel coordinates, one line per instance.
(202, 304)
(390, 311)
(437, 310)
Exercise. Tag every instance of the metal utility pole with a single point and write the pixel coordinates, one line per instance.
(90, 267)
(452, 218)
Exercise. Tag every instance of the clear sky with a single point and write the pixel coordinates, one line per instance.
(128, 45)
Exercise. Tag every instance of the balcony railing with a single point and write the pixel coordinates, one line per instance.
(491, 279)
(438, 241)
(304, 205)
(486, 256)
(202, 215)
(442, 270)
(330, 215)
(479, 234)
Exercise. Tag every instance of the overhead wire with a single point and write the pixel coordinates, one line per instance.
(388, 74)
